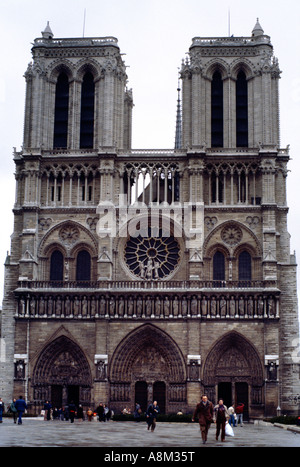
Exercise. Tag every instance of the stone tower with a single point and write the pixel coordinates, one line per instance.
(141, 275)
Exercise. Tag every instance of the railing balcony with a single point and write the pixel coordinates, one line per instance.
(123, 285)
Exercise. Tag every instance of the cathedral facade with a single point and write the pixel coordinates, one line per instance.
(151, 274)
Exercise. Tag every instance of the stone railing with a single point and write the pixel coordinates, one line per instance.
(119, 286)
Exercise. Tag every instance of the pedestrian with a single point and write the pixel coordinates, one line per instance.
(72, 411)
(13, 410)
(137, 412)
(220, 416)
(1, 409)
(90, 414)
(232, 415)
(239, 410)
(151, 415)
(80, 413)
(204, 412)
(21, 406)
(100, 412)
(47, 410)
(106, 414)
(66, 413)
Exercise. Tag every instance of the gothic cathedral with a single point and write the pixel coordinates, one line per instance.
(140, 275)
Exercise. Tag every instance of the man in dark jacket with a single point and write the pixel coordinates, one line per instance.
(72, 411)
(204, 412)
(151, 414)
(21, 407)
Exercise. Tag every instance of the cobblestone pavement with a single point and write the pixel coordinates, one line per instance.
(40, 433)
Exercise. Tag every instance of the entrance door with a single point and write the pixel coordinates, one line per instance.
(73, 395)
(141, 394)
(241, 395)
(159, 395)
(56, 396)
(224, 392)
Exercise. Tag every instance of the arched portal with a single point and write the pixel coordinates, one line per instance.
(62, 374)
(233, 371)
(148, 355)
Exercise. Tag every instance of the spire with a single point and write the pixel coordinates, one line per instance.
(178, 135)
(257, 30)
(47, 33)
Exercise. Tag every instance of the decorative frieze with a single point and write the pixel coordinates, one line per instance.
(227, 306)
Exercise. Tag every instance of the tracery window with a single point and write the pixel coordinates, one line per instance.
(61, 112)
(152, 257)
(87, 112)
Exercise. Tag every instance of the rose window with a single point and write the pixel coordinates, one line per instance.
(151, 258)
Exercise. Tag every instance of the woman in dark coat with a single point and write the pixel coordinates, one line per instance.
(204, 412)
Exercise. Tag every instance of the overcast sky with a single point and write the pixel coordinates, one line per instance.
(155, 36)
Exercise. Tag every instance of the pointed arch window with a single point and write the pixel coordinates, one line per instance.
(83, 266)
(241, 110)
(61, 113)
(245, 266)
(217, 124)
(87, 111)
(56, 266)
(218, 266)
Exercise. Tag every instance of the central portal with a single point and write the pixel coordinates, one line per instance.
(148, 366)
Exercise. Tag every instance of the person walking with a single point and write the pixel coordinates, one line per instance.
(100, 412)
(137, 412)
(47, 410)
(204, 412)
(151, 415)
(220, 416)
(239, 410)
(21, 406)
(90, 414)
(80, 415)
(1, 409)
(72, 411)
(232, 415)
(13, 410)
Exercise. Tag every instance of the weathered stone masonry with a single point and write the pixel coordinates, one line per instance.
(147, 274)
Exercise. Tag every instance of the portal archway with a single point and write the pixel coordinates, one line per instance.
(150, 355)
(62, 372)
(232, 361)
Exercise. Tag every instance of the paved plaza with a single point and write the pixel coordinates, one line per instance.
(54, 433)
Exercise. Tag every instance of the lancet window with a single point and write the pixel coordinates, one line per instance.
(87, 112)
(241, 110)
(56, 266)
(61, 112)
(83, 266)
(217, 124)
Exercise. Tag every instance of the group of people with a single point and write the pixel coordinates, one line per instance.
(17, 408)
(205, 411)
(208, 414)
(71, 411)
